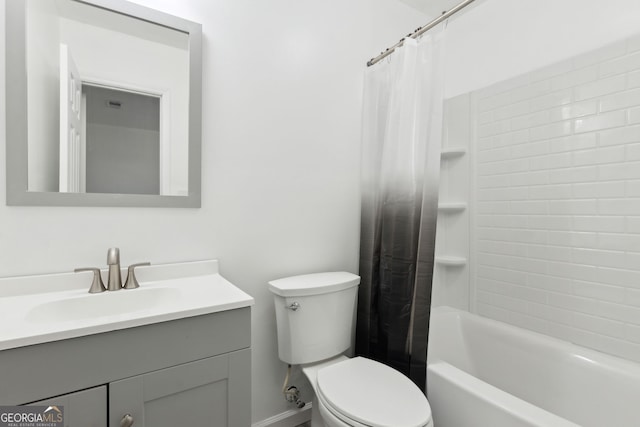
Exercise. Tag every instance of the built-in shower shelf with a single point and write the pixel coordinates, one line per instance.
(451, 152)
(452, 206)
(451, 261)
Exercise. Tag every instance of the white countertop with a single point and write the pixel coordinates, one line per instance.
(39, 309)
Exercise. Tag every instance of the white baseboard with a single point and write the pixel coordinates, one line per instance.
(290, 418)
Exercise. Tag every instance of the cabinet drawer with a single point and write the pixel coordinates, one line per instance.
(86, 408)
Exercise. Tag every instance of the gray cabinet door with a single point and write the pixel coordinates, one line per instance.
(87, 408)
(212, 392)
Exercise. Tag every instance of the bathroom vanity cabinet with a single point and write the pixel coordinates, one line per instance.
(193, 371)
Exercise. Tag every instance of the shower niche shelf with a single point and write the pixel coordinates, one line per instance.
(451, 261)
(451, 275)
(452, 206)
(452, 152)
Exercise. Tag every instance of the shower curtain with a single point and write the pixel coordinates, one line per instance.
(402, 126)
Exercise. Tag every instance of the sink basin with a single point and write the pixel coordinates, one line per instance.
(99, 305)
(51, 307)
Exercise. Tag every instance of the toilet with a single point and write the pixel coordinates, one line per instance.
(315, 317)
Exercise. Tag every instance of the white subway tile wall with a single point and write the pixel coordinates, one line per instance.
(557, 188)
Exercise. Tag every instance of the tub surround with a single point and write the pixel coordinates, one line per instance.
(551, 179)
(558, 200)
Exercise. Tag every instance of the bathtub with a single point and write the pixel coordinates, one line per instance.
(484, 373)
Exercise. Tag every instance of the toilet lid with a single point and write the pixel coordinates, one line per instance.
(373, 394)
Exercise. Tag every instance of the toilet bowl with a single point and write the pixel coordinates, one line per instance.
(314, 315)
(360, 392)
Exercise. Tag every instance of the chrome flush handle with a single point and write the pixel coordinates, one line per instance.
(294, 306)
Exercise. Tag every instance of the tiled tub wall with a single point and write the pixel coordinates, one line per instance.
(557, 211)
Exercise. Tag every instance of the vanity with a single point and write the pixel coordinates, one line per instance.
(106, 100)
(174, 352)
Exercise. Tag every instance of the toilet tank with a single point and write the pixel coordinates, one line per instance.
(314, 315)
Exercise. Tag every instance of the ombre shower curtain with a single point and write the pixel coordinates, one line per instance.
(402, 127)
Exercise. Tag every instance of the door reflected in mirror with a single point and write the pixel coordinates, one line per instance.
(122, 142)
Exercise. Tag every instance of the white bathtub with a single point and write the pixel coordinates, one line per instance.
(484, 373)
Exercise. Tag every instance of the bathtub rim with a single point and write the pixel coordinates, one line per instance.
(501, 400)
(569, 349)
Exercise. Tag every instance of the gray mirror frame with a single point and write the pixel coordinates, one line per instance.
(16, 114)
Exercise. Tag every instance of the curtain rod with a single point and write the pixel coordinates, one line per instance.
(420, 31)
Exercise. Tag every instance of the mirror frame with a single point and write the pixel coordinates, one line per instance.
(17, 126)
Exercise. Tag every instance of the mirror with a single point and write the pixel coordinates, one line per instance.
(103, 105)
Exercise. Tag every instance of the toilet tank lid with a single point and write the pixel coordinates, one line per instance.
(314, 284)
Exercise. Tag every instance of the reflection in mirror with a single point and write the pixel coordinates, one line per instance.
(112, 104)
(122, 142)
(96, 45)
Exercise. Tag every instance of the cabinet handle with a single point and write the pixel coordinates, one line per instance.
(126, 421)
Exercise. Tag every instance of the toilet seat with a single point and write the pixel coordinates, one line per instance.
(365, 393)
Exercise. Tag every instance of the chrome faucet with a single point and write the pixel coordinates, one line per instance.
(114, 282)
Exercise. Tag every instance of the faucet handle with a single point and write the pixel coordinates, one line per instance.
(132, 282)
(96, 285)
